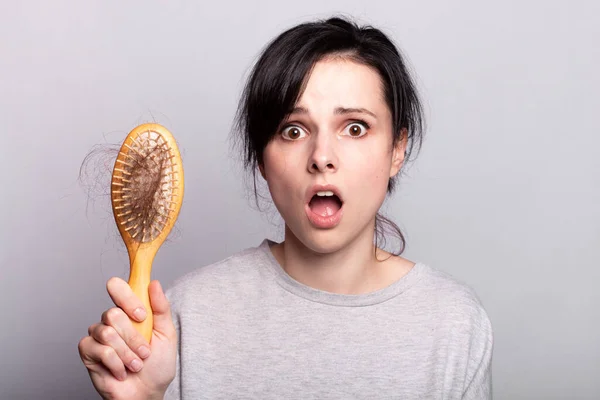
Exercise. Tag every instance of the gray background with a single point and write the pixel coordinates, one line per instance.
(505, 195)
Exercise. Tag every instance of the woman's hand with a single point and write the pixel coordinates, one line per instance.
(121, 363)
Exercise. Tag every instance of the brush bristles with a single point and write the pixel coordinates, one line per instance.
(143, 186)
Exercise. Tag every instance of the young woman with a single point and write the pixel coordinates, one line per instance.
(328, 118)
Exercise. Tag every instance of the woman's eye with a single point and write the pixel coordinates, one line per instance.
(357, 129)
(293, 133)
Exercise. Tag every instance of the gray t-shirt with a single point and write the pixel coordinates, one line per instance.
(247, 330)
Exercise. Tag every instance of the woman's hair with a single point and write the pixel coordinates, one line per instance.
(280, 75)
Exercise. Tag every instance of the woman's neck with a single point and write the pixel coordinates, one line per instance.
(352, 269)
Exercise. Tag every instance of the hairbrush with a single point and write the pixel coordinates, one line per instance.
(146, 196)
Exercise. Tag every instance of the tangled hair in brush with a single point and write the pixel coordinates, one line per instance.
(144, 184)
(95, 172)
(146, 192)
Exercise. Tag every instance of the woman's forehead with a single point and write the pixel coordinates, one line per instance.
(337, 83)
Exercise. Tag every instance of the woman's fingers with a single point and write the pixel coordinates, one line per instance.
(97, 356)
(122, 295)
(161, 310)
(116, 319)
(108, 336)
(114, 349)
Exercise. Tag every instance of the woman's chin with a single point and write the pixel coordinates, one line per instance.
(323, 241)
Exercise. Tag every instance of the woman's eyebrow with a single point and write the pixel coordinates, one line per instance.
(344, 110)
(337, 111)
(299, 110)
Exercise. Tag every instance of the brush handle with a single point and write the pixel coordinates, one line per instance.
(139, 280)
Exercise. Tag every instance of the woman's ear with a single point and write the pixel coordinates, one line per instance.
(261, 168)
(399, 153)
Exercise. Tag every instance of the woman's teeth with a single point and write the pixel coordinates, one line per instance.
(325, 193)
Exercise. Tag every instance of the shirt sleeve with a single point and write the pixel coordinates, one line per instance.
(478, 383)
(174, 390)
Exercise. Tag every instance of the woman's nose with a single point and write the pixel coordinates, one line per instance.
(323, 155)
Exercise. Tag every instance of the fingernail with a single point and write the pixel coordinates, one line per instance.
(144, 351)
(136, 365)
(123, 375)
(139, 313)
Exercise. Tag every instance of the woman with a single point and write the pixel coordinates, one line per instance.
(328, 118)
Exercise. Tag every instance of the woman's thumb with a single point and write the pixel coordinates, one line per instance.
(161, 310)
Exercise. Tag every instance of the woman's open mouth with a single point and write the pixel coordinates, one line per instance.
(324, 210)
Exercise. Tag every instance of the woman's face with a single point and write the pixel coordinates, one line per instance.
(339, 135)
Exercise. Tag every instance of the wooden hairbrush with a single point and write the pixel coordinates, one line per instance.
(146, 196)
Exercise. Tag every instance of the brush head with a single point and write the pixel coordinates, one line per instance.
(147, 186)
